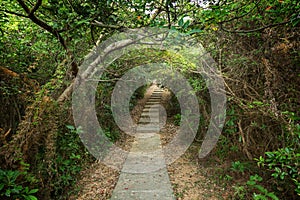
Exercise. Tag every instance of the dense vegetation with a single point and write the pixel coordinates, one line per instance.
(255, 43)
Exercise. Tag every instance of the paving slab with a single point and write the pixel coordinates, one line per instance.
(133, 186)
(144, 175)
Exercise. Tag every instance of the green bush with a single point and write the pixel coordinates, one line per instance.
(12, 185)
(71, 156)
(177, 119)
(283, 163)
(262, 193)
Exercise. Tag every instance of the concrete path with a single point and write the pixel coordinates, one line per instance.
(144, 175)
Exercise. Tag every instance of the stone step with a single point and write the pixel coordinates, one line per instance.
(151, 110)
(143, 135)
(143, 195)
(156, 95)
(154, 106)
(152, 103)
(150, 114)
(147, 129)
(144, 175)
(145, 119)
(147, 186)
(147, 145)
(155, 100)
(149, 104)
(150, 124)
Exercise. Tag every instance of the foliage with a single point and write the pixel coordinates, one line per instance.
(69, 161)
(284, 163)
(12, 184)
(177, 119)
(254, 189)
(263, 193)
(250, 16)
(238, 166)
(239, 192)
(229, 142)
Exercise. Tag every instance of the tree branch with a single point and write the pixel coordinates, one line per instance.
(8, 72)
(24, 6)
(168, 13)
(40, 22)
(66, 93)
(36, 6)
(92, 35)
(100, 24)
(243, 15)
(254, 30)
(159, 9)
(50, 29)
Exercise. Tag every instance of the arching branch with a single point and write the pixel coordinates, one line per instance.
(36, 6)
(100, 24)
(254, 30)
(31, 15)
(8, 72)
(243, 15)
(33, 18)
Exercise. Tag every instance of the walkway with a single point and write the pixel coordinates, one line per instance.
(144, 174)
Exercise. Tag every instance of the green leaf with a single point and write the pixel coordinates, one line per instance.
(180, 22)
(194, 31)
(70, 127)
(259, 197)
(1, 186)
(7, 193)
(186, 24)
(256, 177)
(273, 196)
(251, 182)
(261, 189)
(258, 103)
(31, 197)
(33, 191)
(17, 189)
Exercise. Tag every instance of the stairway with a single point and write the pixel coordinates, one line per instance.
(144, 174)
